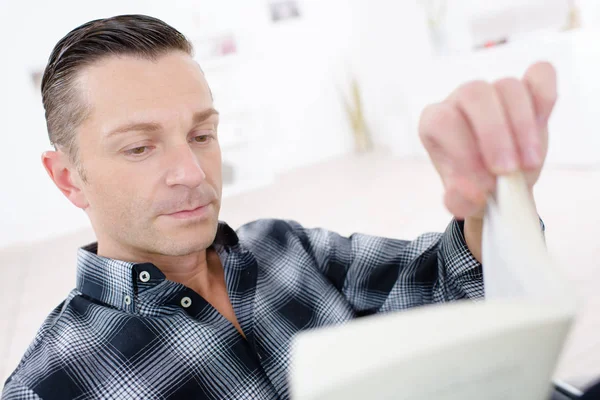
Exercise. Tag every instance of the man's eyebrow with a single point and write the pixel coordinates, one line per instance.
(202, 116)
(152, 126)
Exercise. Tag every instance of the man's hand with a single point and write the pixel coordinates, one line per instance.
(483, 130)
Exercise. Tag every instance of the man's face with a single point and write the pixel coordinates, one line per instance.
(149, 151)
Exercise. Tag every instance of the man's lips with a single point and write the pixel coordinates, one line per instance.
(190, 213)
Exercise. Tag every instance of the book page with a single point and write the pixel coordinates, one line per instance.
(516, 263)
(465, 350)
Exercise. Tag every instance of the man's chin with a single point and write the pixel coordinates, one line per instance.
(190, 237)
(181, 249)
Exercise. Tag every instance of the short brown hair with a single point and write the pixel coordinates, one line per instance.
(136, 35)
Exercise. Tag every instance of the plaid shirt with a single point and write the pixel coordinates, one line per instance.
(127, 332)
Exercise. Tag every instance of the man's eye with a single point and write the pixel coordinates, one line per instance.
(137, 151)
(202, 138)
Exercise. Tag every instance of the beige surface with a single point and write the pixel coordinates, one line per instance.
(374, 194)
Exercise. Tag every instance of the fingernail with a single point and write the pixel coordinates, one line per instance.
(506, 163)
(532, 157)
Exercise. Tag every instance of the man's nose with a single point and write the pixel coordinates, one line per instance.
(184, 168)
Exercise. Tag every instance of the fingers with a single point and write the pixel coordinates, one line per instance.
(483, 108)
(519, 111)
(540, 80)
(456, 156)
(464, 197)
(483, 130)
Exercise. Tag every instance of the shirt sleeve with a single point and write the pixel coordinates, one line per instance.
(14, 390)
(378, 274)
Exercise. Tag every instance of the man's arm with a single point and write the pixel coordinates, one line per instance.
(378, 274)
(474, 229)
(473, 234)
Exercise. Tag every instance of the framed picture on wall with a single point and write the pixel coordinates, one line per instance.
(216, 46)
(282, 10)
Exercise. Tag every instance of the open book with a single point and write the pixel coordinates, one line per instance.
(505, 347)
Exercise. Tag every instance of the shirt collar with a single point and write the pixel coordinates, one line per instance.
(117, 283)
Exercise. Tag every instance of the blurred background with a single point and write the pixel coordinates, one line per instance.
(319, 102)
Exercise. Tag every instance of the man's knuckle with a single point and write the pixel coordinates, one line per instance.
(524, 128)
(509, 84)
(438, 118)
(473, 91)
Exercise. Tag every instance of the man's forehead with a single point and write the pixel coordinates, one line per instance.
(119, 88)
(123, 77)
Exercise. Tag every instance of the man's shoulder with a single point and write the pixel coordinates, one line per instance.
(272, 240)
(52, 342)
(30, 364)
(267, 228)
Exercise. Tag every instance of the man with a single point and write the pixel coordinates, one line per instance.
(172, 303)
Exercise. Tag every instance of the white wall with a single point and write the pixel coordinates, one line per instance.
(401, 72)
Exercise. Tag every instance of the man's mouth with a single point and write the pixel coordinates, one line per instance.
(198, 212)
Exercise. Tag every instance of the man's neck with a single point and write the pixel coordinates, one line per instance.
(203, 274)
(207, 279)
(201, 271)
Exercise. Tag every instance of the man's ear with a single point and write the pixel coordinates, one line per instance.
(65, 176)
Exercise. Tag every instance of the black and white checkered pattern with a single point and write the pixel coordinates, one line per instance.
(120, 336)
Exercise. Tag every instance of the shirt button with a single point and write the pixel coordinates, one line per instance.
(144, 276)
(186, 302)
(127, 300)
